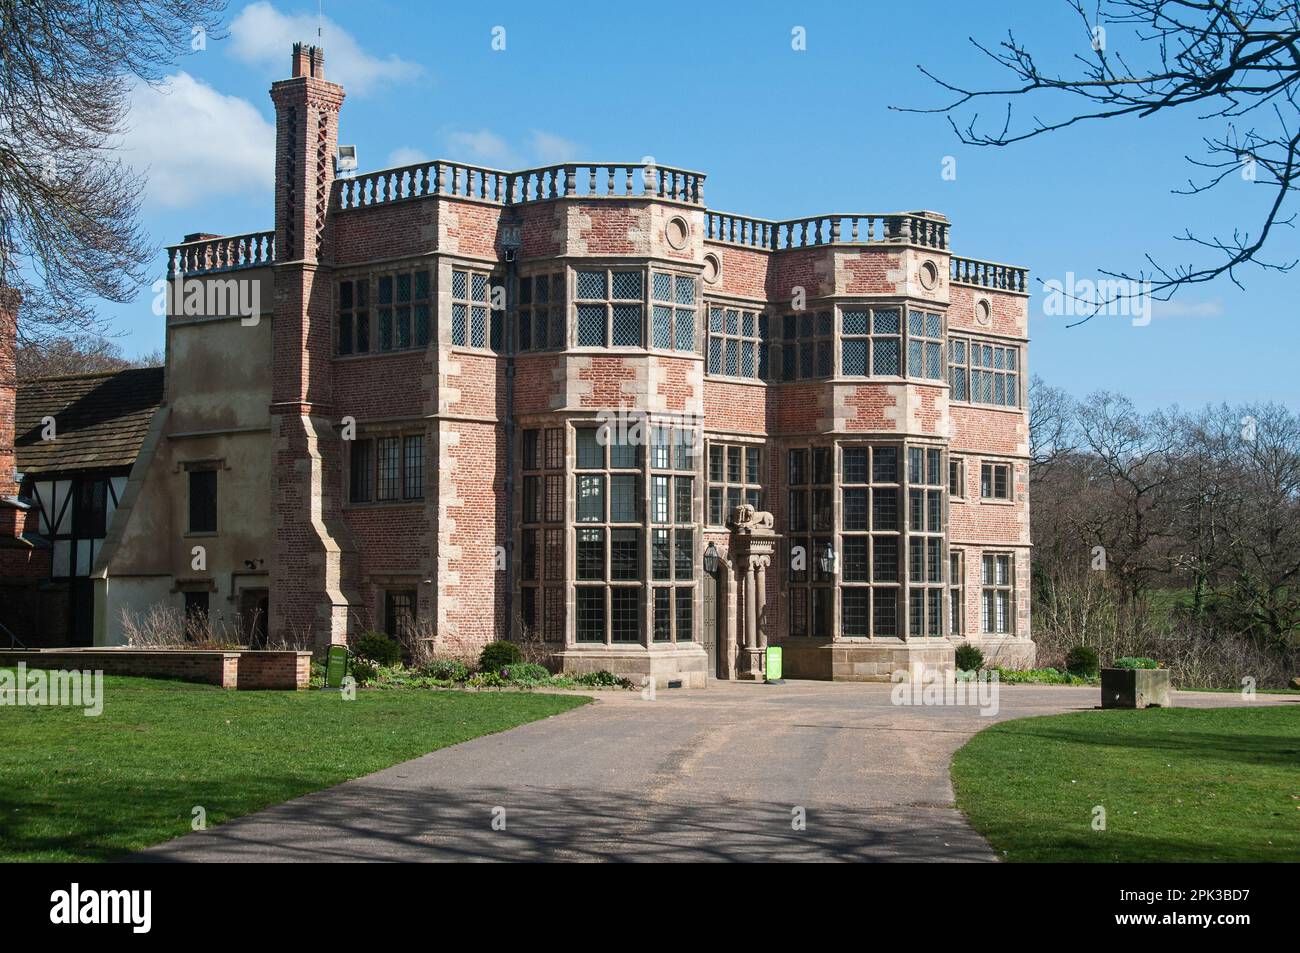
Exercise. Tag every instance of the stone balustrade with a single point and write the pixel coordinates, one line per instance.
(426, 178)
(566, 180)
(226, 253)
(833, 229)
(989, 274)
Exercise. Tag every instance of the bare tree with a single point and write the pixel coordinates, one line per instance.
(58, 356)
(69, 229)
(1235, 63)
(1051, 426)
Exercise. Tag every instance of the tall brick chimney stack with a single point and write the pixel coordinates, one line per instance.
(9, 302)
(13, 515)
(313, 548)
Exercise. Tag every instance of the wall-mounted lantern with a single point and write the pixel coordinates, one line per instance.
(711, 558)
(827, 560)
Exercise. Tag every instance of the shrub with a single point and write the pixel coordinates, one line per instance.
(447, 669)
(1037, 676)
(1130, 661)
(1082, 661)
(378, 648)
(525, 672)
(486, 680)
(363, 670)
(969, 658)
(602, 679)
(498, 655)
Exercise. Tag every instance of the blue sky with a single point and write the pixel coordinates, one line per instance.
(780, 133)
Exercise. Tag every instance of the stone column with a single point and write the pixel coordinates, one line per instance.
(752, 548)
(751, 609)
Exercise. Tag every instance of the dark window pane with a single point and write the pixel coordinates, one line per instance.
(625, 613)
(591, 553)
(413, 468)
(590, 611)
(203, 501)
(362, 490)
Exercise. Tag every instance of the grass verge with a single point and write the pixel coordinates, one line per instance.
(1176, 784)
(74, 788)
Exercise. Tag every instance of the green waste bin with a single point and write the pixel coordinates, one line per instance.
(773, 669)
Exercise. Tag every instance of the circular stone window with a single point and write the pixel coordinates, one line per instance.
(929, 275)
(677, 231)
(712, 268)
(983, 312)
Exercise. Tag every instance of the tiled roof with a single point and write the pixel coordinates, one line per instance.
(100, 419)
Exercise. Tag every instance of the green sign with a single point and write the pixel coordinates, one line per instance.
(774, 663)
(336, 665)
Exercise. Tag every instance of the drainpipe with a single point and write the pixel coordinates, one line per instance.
(511, 241)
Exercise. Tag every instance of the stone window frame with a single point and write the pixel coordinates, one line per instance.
(990, 591)
(956, 592)
(542, 459)
(370, 437)
(650, 302)
(870, 580)
(807, 344)
(682, 312)
(993, 466)
(810, 524)
(192, 468)
(956, 477)
(732, 493)
(391, 622)
(608, 304)
(466, 306)
(671, 460)
(925, 595)
(721, 337)
(361, 295)
(607, 580)
(963, 372)
(870, 335)
(556, 310)
(925, 344)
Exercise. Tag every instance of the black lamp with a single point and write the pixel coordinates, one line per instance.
(827, 560)
(711, 558)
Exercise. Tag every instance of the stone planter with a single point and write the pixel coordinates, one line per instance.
(1135, 688)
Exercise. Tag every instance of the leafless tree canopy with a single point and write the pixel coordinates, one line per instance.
(1147, 524)
(68, 207)
(1234, 63)
(58, 356)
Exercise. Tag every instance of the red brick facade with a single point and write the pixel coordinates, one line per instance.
(811, 281)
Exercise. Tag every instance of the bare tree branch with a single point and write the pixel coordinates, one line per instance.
(1224, 59)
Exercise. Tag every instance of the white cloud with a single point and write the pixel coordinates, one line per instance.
(548, 148)
(1187, 309)
(482, 146)
(405, 155)
(195, 143)
(263, 36)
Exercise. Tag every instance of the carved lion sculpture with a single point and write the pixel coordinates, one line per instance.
(747, 519)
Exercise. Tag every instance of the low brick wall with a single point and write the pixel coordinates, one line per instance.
(230, 669)
(274, 669)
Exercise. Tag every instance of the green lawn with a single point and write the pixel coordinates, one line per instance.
(78, 788)
(1178, 784)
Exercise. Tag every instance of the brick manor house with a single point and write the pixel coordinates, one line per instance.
(408, 436)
